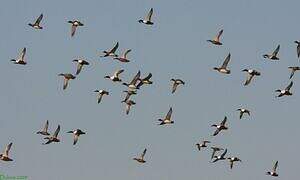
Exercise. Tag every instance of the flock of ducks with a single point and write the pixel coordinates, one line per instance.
(137, 82)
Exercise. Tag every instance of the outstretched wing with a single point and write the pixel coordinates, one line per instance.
(289, 86)
(126, 52)
(224, 121)
(73, 30)
(117, 73)
(135, 78)
(226, 61)
(23, 54)
(143, 154)
(46, 126)
(275, 166)
(248, 80)
(217, 38)
(276, 51)
(7, 149)
(66, 82)
(168, 116)
(149, 16)
(75, 139)
(298, 50)
(56, 131)
(79, 67)
(38, 20)
(224, 153)
(113, 50)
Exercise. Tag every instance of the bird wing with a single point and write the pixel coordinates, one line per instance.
(56, 131)
(224, 121)
(241, 114)
(226, 61)
(213, 154)
(289, 86)
(168, 116)
(231, 164)
(174, 87)
(149, 15)
(217, 38)
(292, 73)
(23, 54)
(79, 67)
(73, 30)
(46, 126)
(224, 153)
(113, 50)
(7, 149)
(127, 109)
(75, 139)
(135, 78)
(298, 50)
(117, 73)
(66, 82)
(248, 80)
(38, 20)
(126, 52)
(275, 166)
(216, 132)
(276, 51)
(143, 154)
(99, 98)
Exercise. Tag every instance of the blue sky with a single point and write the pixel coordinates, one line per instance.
(175, 47)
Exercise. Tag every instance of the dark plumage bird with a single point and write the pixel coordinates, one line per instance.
(232, 160)
(202, 145)
(129, 103)
(128, 95)
(216, 40)
(176, 82)
(145, 80)
(101, 93)
(54, 137)
(273, 172)
(251, 74)
(147, 19)
(80, 64)
(111, 52)
(285, 91)
(21, 59)
(75, 24)
(132, 85)
(67, 77)
(167, 119)
(215, 149)
(243, 111)
(36, 24)
(141, 158)
(220, 126)
(223, 69)
(76, 133)
(273, 56)
(5, 155)
(298, 48)
(44, 131)
(220, 157)
(293, 70)
(123, 58)
(115, 77)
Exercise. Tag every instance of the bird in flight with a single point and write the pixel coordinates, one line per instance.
(5, 155)
(36, 24)
(223, 69)
(147, 19)
(220, 126)
(286, 91)
(76, 133)
(21, 59)
(67, 77)
(273, 172)
(216, 40)
(54, 137)
(44, 131)
(167, 119)
(141, 158)
(75, 24)
(273, 56)
(251, 73)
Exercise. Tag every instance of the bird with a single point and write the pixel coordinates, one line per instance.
(36, 24)
(220, 126)
(132, 85)
(286, 91)
(141, 158)
(75, 24)
(298, 48)
(80, 64)
(129, 103)
(67, 77)
(243, 111)
(115, 77)
(220, 157)
(273, 172)
(44, 131)
(202, 145)
(167, 119)
(293, 70)
(123, 58)
(76, 133)
(176, 82)
(145, 80)
(5, 155)
(223, 69)
(128, 94)
(273, 56)
(251, 74)
(21, 59)
(111, 52)
(232, 160)
(215, 149)
(216, 40)
(147, 19)
(101, 93)
(54, 137)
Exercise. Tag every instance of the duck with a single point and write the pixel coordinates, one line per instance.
(167, 119)
(273, 172)
(129, 103)
(273, 56)
(243, 111)
(220, 157)
(202, 145)
(36, 24)
(80, 64)
(123, 58)
(115, 77)
(286, 91)
(67, 77)
(216, 40)
(232, 160)
(128, 94)
(76, 133)
(251, 74)
(54, 137)
(215, 149)
(5, 155)
(111, 52)
(220, 126)
(147, 19)
(75, 24)
(298, 48)
(293, 70)
(101, 93)
(21, 59)
(44, 131)
(145, 80)
(176, 82)
(132, 85)
(223, 69)
(141, 158)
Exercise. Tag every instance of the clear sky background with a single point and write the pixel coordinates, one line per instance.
(175, 47)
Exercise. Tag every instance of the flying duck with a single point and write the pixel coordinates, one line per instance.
(141, 158)
(76, 133)
(286, 91)
(273, 56)
(251, 74)
(293, 69)
(202, 145)
(216, 40)
(128, 94)
(215, 149)
(100, 94)
(21, 59)
(36, 24)
(111, 52)
(129, 103)
(132, 85)
(220, 126)
(273, 172)
(44, 131)
(243, 111)
(220, 157)
(232, 160)
(53, 138)
(298, 48)
(115, 76)
(123, 57)
(176, 82)
(4, 156)
(167, 119)
(67, 77)
(147, 19)
(146, 80)
(80, 64)
(75, 24)
(223, 69)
